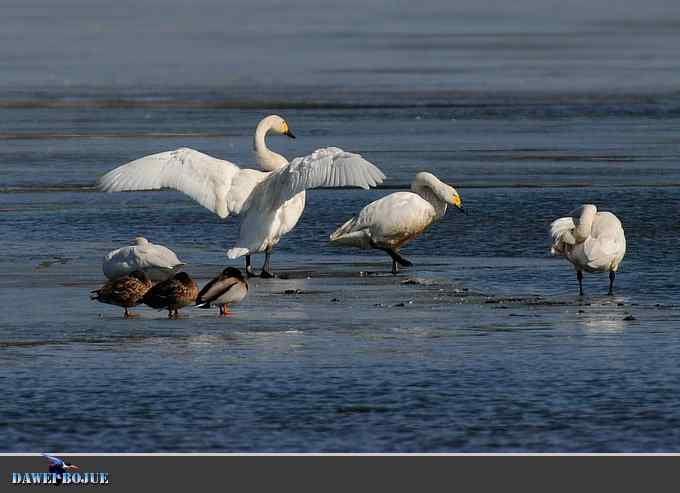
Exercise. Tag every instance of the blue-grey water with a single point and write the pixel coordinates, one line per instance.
(529, 109)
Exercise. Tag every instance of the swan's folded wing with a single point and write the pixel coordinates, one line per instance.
(328, 167)
(205, 179)
(156, 256)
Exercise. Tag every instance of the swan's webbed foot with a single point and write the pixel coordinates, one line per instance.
(267, 274)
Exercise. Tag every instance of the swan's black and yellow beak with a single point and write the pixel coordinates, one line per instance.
(457, 202)
(287, 132)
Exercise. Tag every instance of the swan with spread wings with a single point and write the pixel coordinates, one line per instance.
(270, 202)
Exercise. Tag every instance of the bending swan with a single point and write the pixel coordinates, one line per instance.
(390, 222)
(592, 241)
(156, 261)
(269, 202)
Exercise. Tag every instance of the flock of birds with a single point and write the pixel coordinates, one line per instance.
(270, 203)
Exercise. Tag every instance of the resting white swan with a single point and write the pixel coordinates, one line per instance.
(156, 261)
(592, 241)
(390, 222)
(269, 203)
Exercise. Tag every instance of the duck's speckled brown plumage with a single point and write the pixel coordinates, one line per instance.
(172, 294)
(127, 291)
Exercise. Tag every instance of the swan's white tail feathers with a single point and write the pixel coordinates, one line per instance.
(233, 253)
(343, 230)
(558, 229)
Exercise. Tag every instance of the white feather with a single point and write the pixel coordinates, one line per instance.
(270, 203)
(158, 262)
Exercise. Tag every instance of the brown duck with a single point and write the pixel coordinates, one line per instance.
(126, 291)
(227, 288)
(172, 294)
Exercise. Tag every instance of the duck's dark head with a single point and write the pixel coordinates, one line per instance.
(140, 275)
(183, 277)
(232, 272)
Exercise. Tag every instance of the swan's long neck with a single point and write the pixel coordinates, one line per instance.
(267, 159)
(585, 224)
(429, 195)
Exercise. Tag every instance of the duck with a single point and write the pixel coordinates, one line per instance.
(392, 221)
(593, 241)
(172, 294)
(125, 291)
(158, 262)
(227, 288)
(269, 201)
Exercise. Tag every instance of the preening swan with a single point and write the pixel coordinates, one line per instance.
(390, 222)
(269, 202)
(156, 261)
(593, 241)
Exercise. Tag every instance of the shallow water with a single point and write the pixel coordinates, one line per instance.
(482, 346)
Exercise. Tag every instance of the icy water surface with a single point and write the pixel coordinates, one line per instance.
(482, 346)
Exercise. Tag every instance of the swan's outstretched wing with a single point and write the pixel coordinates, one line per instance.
(328, 167)
(217, 185)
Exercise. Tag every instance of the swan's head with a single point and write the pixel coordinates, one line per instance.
(441, 190)
(140, 240)
(276, 124)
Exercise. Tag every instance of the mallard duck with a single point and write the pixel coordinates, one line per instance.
(158, 262)
(126, 291)
(227, 288)
(172, 294)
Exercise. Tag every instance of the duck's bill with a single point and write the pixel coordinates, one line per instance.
(289, 134)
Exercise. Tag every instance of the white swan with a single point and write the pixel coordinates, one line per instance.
(156, 261)
(592, 241)
(390, 222)
(269, 203)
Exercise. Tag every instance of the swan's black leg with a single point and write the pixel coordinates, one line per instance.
(612, 276)
(396, 258)
(249, 268)
(579, 276)
(267, 267)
